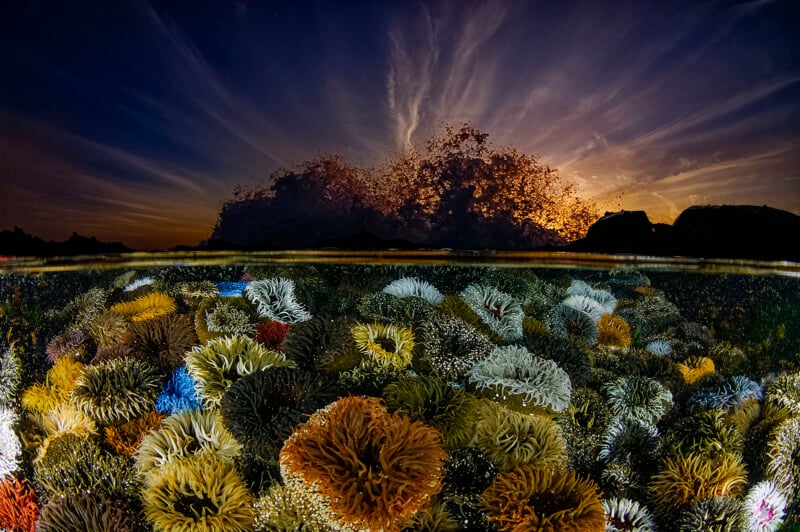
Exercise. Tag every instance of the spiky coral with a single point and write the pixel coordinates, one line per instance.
(413, 287)
(450, 347)
(261, 409)
(116, 391)
(85, 512)
(522, 380)
(163, 341)
(510, 439)
(198, 494)
(58, 384)
(613, 331)
(627, 515)
(386, 346)
(18, 508)
(683, 480)
(693, 369)
(502, 313)
(429, 399)
(763, 507)
(184, 435)
(783, 457)
(179, 394)
(539, 500)
(638, 398)
(217, 364)
(145, 308)
(363, 468)
(276, 300)
(126, 438)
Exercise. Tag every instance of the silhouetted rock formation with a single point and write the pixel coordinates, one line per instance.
(21, 244)
(726, 231)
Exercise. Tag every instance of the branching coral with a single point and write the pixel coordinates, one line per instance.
(162, 341)
(413, 287)
(261, 409)
(567, 321)
(276, 300)
(385, 346)
(763, 508)
(58, 384)
(179, 394)
(510, 439)
(85, 512)
(450, 347)
(217, 364)
(613, 331)
(126, 438)
(693, 369)
(627, 515)
(198, 494)
(184, 435)
(718, 514)
(522, 380)
(10, 446)
(502, 313)
(18, 508)
(116, 391)
(429, 399)
(146, 307)
(363, 468)
(684, 479)
(638, 398)
(540, 500)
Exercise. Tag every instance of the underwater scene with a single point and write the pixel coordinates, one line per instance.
(388, 393)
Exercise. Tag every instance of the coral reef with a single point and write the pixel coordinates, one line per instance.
(361, 467)
(145, 308)
(536, 499)
(276, 300)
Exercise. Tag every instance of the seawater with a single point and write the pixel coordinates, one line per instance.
(399, 391)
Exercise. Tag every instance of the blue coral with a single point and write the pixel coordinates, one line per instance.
(179, 395)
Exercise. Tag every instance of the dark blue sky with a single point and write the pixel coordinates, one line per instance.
(133, 121)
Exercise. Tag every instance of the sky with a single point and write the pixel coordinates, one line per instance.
(134, 121)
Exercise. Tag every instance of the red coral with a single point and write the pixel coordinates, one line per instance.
(270, 334)
(18, 508)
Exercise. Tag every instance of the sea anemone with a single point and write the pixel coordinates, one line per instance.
(429, 399)
(146, 307)
(659, 348)
(179, 395)
(613, 331)
(571, 356)
(116, 391)
(261, 409)
(271, 334)
(511, 439)
(316, 344)
(186, 434)
(783, 457)
(718, 514)
(784, 392)
(67, 344)
(10, 446)
(18, 508)
(111, 352)
(386, 346)
(225, 318)
(684, 479)
(587, 305)
(468, 472)
(567, 321)
(198, 494)
(522, 380)
(763, 507)
(541, 499)
(382, 307)
(603, 297)
(450, 347)
(217, 364)
(276, 300)
(82, 309)
(136, 284)
(283, 510)
(126, 438)
(193, 292)
(638, 398)
(363, 468)
(627, 515)
(58, 384)
(729, 395)
(413, 287)
(10, 374)
(85, 512)
(502, 313)
(108, 328)
(694, 369)
(621, 480)
(162, 341)
(651, 316)
(630, 442)
(583, 423)
(65, 418)
(706, 433)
